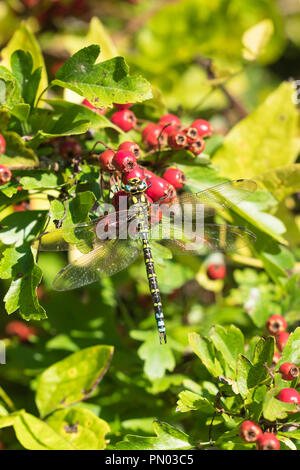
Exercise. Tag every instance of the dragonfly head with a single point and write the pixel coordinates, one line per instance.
(135, 185)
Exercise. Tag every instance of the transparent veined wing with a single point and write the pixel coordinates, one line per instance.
(227, 238)
(107, 258)
(221, 196)
(83, 235)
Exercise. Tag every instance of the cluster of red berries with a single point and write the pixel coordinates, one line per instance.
(250, 432)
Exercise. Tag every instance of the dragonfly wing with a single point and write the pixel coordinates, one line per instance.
(216, 237)
(106, 259)
(83, 235)
(221, 196)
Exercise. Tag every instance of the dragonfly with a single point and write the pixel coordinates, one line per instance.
(101, 257)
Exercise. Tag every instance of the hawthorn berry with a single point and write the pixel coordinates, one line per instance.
(203, 127)
(122, 106)
(131, 147)
(70, 148)
(216, 271)
(289, 395)
(268, 441)
(175, 177)
(136, 172)
(281, 340)
(250, 431)
(117, 197)
(106, 161)
(18, 328)
(289, 371)
(5, 174)
(170, 123)
(191, 134)
(125, 119)
(197, 147)
(275, 324)
(2, 144)
(124, 161)
(160, 190)
(153, 137)
(177, 140)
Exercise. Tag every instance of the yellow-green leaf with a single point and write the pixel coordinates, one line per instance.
(255, 39)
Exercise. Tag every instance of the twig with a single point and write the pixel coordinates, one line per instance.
(234, 102)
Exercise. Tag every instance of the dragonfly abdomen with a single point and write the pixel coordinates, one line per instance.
(154, 290)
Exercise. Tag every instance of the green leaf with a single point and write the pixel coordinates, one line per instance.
(80, 427)
(35, 434)
(274, 409)
(73, 379)
(25, 40)
(229, 341)
(17, 154)
(104, 83)
(264, 351)
(82, 113)
(22, 227)
(40, 179)
(272, 127)
(157, 360)
(190, 401)
(22, 295)
(255, 39)
(291, 351)
(29, 79)
(15, 261)
(167, 438)
(11, 100)
(281, 182)
(205, 351)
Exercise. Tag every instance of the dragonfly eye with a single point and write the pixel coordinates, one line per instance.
(127, 188)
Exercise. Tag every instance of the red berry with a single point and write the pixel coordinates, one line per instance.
(70, 148)
(289, 395)
(216, 271)
(131, 147)
(191, 134)
(5, 174)
(106, 161)
(149, 173)
(2, 144)
(117, 197)
(203, 127)
(288, 371)
(250, 431)
(281, 340)
(268, 441)
(123, 106)
(177, 140)
(21, 206)
(155, 213)
(124, 161)
(137, 172)
(125, 119)
(169, 120)
(94, 108)
(275, 324)
(18, 328)
(197, 147)
(175, 177)
(276, 358)
(153, 137)
(160, 189)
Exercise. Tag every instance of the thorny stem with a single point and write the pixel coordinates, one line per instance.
(102, 143)
(269, 370)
